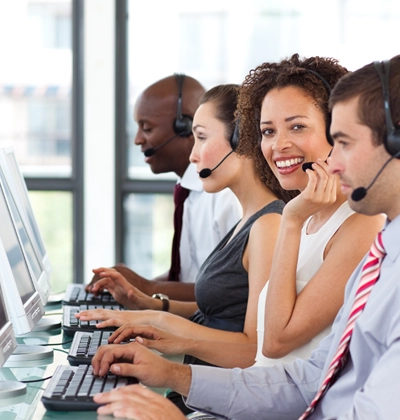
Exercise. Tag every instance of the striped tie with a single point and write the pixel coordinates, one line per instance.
(370, 275)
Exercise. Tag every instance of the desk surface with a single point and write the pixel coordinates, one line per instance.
(30, 407)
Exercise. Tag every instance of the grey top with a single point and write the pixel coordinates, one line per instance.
(367, 388)
(222, 284)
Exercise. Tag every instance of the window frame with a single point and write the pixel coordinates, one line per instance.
(74, 184)
(123, 184)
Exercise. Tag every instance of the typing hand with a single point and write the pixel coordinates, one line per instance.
(133, 278)
(123, 292)
(137, 402)
(151, 337)
(133, 360)
(116, 318)
(111, 318)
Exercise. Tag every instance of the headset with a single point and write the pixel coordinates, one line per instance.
(183, 123)
(234, 143)
(329, 90)
(234, 139)
(392, 138)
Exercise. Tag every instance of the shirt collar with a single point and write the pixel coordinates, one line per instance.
(390, 238)
(190, 179)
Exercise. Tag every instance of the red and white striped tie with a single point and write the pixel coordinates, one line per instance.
(370, 275)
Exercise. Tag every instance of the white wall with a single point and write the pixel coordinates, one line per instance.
(99, 106)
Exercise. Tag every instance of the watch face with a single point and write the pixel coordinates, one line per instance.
(160, 296)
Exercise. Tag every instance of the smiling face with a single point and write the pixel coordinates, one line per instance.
(210, 147)
(293, 132)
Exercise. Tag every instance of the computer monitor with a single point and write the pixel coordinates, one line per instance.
(23, 299)
(21, 209)
(8, 344)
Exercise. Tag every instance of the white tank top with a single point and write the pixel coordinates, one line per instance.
(311, 257)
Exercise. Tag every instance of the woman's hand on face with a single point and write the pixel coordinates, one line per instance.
(151, 337)
(123, 292)
(321, 191)
(137, 402)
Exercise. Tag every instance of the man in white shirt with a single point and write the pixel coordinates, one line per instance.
(164, 113)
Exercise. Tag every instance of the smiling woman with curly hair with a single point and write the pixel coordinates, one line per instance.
(283, 109)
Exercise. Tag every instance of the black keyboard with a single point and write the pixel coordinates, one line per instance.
(71, 324)
(76, 295)
(85, 344)
(72, 388)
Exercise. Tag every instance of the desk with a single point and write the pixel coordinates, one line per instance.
(30, 407)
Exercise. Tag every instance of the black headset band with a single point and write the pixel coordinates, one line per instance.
(179, 80)
(182, 123)
(329, 90)
(383, 70)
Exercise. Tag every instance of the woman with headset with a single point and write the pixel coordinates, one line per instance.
(321, 240)
(231, 279)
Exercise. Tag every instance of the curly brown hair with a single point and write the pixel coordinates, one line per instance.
(293, 71)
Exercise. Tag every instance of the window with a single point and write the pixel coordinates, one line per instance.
(37, 119)
(219, 42)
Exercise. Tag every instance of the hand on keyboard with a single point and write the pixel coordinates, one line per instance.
(134, 279)
(111, 317)
(123, 292)
(149, 368)
(116, 318)
(151, 337)
(135, 401)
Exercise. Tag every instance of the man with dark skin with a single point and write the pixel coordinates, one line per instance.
(168, 149)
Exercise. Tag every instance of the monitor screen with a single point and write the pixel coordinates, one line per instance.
(19, 183)
(27, 244)
(18, 200)
(19, 267)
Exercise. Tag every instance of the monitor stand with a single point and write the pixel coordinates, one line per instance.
(47, 324)
(11, 389)
(27, 356)
(55, 298)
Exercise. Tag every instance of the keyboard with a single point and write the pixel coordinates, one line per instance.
(85, 345)
(71, 325)
(77, 295)
(72, 388)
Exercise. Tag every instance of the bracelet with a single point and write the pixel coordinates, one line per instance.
(164, 299)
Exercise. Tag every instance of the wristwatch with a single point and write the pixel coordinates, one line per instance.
(164, 299)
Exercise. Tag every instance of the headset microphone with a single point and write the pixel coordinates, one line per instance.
(152, 150)
(359, 193)
(206, 172)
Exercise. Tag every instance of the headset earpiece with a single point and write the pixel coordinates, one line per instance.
(234, 140)
(183, 123)
(392, 139)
